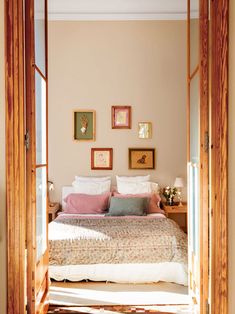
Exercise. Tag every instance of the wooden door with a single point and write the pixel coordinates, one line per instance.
(36, 155)
(198, 153)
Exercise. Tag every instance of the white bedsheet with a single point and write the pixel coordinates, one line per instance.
(123, 273)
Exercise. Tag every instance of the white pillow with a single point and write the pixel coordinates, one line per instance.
(133, 179)
(136, 187)
(93, 179)
(92, 188)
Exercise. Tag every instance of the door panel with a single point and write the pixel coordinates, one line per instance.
(198, 152)
(194, 151)
(36, 161)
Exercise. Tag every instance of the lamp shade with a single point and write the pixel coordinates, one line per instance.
(179, 182)
(51, 186)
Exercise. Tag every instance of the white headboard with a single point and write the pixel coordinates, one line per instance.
(66, 190)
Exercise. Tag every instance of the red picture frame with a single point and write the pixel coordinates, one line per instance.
(101, 158)
(121, 117)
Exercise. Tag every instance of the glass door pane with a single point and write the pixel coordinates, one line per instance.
(194, 44)
(194, 180)
(194, 119)
(41, 216)
(41, 120)
(40, 35)
(194, 35)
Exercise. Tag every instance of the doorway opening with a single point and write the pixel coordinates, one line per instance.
(42, 286)
(132, 64)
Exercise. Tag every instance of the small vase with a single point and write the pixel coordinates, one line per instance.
(170, 202)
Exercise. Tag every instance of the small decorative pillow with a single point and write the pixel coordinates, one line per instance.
(86, 204)
(154, 200)
(154, 204)
(92, 187)
(132, 206)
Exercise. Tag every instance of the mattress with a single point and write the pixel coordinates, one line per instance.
(118, 249)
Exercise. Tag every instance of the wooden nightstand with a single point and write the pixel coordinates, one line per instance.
(53, 208)
(173, 213)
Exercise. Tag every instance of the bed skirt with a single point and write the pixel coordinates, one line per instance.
(123, 273)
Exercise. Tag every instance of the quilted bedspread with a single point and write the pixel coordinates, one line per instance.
(115, 240)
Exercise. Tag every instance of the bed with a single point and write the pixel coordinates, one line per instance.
(130, 249)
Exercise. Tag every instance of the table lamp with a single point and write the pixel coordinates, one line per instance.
(51, 187)
(179, 184)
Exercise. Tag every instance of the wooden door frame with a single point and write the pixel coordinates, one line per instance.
(15, 154)
(219, 154)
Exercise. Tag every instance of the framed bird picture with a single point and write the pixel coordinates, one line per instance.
(141, 158)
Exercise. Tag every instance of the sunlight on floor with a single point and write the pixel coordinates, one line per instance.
(67, 293)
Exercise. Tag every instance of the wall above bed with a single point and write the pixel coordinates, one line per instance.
(94, 65)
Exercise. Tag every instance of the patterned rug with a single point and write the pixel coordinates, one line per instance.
(120, 309)
(103, 310)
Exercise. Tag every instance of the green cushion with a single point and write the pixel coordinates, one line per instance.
(132, 206)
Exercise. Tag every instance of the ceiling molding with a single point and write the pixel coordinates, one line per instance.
(88, 16)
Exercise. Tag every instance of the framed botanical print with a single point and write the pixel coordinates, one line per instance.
(121, 117)
(145, 130)
(101, 158)
(84, 125)
(141, 158)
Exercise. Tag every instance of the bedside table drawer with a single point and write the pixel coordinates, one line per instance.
(175, 209)
(175, 213)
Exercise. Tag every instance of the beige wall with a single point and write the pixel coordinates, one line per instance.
(2, 170)
(231, 189)
(93, 65)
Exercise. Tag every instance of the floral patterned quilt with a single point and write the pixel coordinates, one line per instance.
(82, 240)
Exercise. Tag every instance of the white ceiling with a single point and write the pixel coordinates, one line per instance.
(119, 9)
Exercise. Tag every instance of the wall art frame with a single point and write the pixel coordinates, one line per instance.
(84, 125)
(145, 130)
(101, 158)
(121, 117)
(142, 158)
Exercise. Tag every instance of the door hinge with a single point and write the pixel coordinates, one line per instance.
(207, 307)
(27, 140)
(206, 142)
(26, 308)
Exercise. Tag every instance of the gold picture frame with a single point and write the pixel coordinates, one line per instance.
(145, 130)
(84, 124)
(142, 158)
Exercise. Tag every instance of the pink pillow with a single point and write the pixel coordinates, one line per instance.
(87, 204)
(154, 201)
